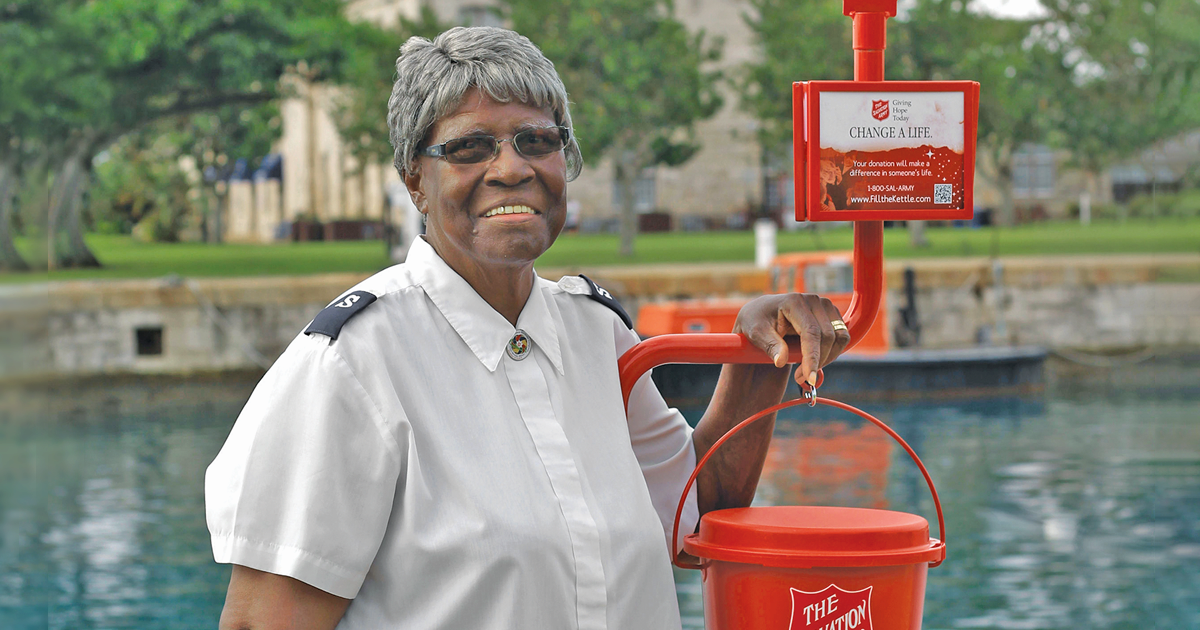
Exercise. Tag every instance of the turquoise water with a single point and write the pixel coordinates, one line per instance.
(1079, 509)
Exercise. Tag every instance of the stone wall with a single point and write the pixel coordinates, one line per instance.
(109, 327)
(1097, 318)
(165, 326)
(1082, 302)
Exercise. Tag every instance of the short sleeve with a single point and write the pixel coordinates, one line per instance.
(662, 442)
(304, 484)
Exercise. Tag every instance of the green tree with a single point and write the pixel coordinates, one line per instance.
(149, 176)
(638, 79)
(119, 66)
(941, 40)
(214, 141)
(366, 86)
(10, 258)
(794, 41)
(43, 100)
(361, 105)
(1132, 79)
(139, 187)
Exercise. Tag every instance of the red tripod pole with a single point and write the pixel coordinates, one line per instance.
(870, 39)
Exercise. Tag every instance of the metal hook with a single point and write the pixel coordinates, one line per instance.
(809, 392)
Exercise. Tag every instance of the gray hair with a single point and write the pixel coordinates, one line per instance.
(432, 78)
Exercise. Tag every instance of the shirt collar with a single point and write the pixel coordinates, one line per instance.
(484, 330)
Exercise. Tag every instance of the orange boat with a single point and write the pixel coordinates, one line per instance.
(829, 274)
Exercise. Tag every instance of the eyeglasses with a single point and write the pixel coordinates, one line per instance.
(474, 149)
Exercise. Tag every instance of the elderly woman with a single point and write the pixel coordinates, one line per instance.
(445, 445)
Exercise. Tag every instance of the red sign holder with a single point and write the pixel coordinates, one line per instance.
(885, 150)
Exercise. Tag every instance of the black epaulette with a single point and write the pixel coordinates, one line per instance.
(606, 298)
(329, 321)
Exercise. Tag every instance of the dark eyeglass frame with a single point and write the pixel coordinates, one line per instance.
(439, 150)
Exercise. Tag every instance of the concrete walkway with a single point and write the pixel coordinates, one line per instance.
(682, 280)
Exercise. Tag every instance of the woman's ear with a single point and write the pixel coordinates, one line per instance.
(413, 181)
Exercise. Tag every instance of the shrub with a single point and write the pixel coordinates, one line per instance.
(1187, 204)
(1100, 211)
(1153, 206)
(140, 190)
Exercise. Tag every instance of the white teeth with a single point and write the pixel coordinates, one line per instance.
(510, 210)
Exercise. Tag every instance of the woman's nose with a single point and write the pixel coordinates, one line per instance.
(509, 168)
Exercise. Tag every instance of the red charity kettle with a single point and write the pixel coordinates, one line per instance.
(797, 567)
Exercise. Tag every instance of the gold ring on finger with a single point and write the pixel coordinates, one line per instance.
(839, 325)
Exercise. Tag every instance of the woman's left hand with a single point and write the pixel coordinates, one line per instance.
(767, 319)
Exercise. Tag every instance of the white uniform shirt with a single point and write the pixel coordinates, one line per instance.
(414, 466)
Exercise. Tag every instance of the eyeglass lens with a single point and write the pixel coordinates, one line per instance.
(529, 143)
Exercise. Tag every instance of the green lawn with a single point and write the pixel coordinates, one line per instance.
(125, 258)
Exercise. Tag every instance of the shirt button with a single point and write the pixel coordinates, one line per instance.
(518, 347)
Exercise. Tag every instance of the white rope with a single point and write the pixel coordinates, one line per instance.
(217, 318)
(1104, 361)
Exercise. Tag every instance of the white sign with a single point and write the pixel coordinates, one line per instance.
(880, 121)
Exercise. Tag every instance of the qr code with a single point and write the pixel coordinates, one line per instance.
(943, 193)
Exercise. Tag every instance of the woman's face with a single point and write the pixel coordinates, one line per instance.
(456, 198)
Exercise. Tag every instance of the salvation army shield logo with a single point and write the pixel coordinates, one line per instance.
(879, 109)
(831, 607)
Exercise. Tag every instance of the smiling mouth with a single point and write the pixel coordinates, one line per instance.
(509, 210)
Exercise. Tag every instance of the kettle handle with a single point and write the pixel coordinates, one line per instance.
(734, 348)
(937, 503)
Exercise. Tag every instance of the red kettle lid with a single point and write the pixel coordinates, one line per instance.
(812, 536)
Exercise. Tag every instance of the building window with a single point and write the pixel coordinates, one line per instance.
(645, 193)
(479, 15)
(1033, 172)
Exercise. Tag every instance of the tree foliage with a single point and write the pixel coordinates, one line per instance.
(801, 40)
(941, 40)
(361, 112)
(140, 188)
(1101, 78)
(1133, 75)
(152, 178)
(794, 41)
(639, 82)
(89, 73)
